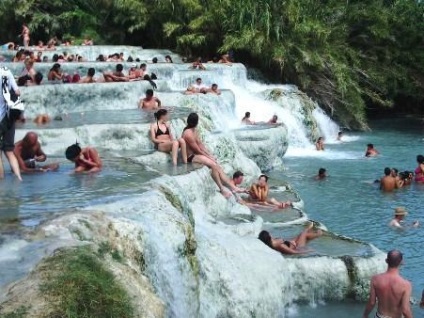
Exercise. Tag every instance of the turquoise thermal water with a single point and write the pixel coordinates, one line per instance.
(350, 204)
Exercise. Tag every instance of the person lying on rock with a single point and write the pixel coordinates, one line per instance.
(259, 194)
(29, 153)
(85, 159)
(197, 153)
(291, 246)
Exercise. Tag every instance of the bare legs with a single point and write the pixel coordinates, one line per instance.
(172, 147)
(13, 164)
(307, 235)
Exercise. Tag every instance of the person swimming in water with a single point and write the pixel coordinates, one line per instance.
(322, 174)
(291, 246)
(371, 151)
(160, 133)
(197, 153)
(398, 219)
(319, 145)
(259, 193)
(419, 171)
(246, 119)
(85, 159)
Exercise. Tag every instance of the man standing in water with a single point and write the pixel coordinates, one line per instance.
(197, 153)
(28, 152)
(150, 102)
(387, 183)
(391, 290)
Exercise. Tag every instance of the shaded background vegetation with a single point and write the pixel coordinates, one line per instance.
(355, 57)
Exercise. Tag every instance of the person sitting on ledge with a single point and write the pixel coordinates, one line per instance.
(371, 151)
(259, 193)
(160, 133)
(197, 153)
(214, 90)
(197, 87)
(292, 246)
(149, 102)
(55, 73)
(117, 76)
(86, 159)
(319, 145)
(198, 65)
(168, 59)
(28, 152)
(246, 119)
(322, 174)
(89, 78)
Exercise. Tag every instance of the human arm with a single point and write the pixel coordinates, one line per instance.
(371, 301)
(94, 160)
(141, 103)
(406, 305)
(21, 163)
(40, 156)
(158, 101)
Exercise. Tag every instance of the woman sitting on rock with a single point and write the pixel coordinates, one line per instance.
(85, 159)
(259, 193)
(160, 133)
(292, 246)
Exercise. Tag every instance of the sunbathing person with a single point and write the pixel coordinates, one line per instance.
(292, 246)
(117, 76)
(149, 102)
(197, 153)
(86, 159)
(259, 193)
(160, 133)
(28, 152)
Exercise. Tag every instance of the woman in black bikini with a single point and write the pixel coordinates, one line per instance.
(292, 246)
(161, 136)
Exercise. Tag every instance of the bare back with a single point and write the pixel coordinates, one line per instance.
(393, 294)
(388, 183)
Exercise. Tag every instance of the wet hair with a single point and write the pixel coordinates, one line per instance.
(394, 258)
(56, 66)
(322, 171)
(395, 170)
(101, 58)
(265, 237)
(247, 115)
(387, 171)
(155, 60)
(215, 59)
(38, 78)
(237, 174)
(420, 159)
(137, 59)
(198, 79)
(264, 176)
(320, 138)
(45, 59)
(340, 133)
(73, 151)
(215, 85)
(119, 67)
(11, 46)
(55, 58)
(192, 121)
(160, 113)
(149, 92)
(143, 65)
(91, 72)
(168, 57)
(130, 59)
(371, 146)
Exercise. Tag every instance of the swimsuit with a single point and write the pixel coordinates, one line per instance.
(159, 132)
(290, 243)
(190, 158)
(419, 175)
(378, 315)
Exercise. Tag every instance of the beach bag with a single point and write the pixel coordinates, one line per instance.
(15, 106)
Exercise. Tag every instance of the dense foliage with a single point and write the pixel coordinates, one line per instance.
(346, 54)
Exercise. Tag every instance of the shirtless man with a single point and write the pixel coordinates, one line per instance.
(322, 174)
(117, 76)
(387, 183)
(89, 78)
(197, 153)
(398, 180)
(150, 102)
(214, 90)
(391, 290)
(28, 152)
(371, 151)
(259, 193)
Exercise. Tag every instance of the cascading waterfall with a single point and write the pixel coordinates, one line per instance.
(198, 264)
